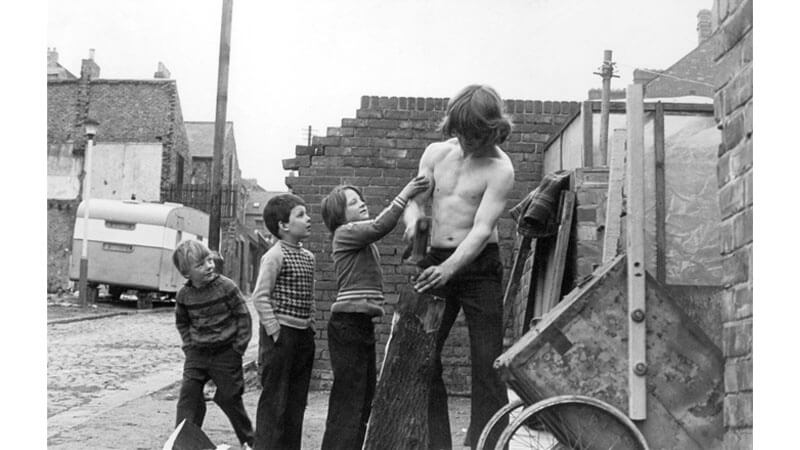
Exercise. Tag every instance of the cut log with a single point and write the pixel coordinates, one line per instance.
(399, 418)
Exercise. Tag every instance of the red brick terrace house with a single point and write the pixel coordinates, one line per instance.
(140, 147)
(695, 74)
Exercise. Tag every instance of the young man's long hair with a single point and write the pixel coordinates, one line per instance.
(475, 115)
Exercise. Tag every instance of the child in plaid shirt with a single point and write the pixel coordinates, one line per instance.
(284, 299)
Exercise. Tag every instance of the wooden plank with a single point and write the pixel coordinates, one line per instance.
(637, 395)
(557, 262)
(677, 109)
(521, 313)
(510, 297)
(661, 201)
(586, 115)
(616, 178)
(538, 277)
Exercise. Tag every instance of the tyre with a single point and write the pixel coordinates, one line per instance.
(497, 422)
(571, 422)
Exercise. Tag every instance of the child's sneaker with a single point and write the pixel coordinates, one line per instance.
(246, 446)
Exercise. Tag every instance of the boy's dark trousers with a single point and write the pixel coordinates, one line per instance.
(224, 366)
(477, 288)
(285, 370)
(351, 342)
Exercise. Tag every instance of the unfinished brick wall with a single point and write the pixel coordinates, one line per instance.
(379, 151)
(733, 110)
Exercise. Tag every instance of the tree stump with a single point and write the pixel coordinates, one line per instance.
(399, 418)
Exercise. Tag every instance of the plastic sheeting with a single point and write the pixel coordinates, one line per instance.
(692, 208)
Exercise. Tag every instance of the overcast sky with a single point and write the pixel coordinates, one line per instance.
(300, 63)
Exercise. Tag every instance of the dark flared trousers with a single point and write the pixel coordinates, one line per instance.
(224, 366)
(351, 342)
(285, 372)
(477, 288)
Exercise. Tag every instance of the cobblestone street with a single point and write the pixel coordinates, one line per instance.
(94, 366)
(112, 383)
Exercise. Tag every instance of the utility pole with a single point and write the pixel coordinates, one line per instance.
(219, 125)
(606, 72)
(309, 135)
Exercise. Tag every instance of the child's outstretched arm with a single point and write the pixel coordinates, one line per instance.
(365, 232)
(271, 264)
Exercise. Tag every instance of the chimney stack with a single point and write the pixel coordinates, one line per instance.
(162, 72)
(52, 57)
(89, 69)
(704, 25)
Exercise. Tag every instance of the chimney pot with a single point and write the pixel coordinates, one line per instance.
(704, 25)
(161, 72)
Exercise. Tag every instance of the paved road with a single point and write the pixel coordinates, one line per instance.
(94, 366)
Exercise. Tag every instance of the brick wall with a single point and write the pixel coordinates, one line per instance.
(128, 111)
(60, 223)
(733, 110)
(379, 152)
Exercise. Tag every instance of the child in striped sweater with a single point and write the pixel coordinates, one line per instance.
(284, 299)
(215, 327)
(351, 334)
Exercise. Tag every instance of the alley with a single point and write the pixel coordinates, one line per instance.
(94, 366)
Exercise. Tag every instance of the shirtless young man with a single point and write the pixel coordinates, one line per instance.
(471, 178)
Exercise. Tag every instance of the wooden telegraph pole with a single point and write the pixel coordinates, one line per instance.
(219, 125)
(606, 72)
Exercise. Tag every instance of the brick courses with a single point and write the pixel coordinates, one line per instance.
(733, 110)
(378, 150)
(128, 111)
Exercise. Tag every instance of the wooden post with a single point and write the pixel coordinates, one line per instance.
(606, 72)
(637, 361)
(588, 136)
(616, 177)
(661, 201)
(219, 125)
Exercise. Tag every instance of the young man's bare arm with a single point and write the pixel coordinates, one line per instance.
(491, 207)
(415, 208)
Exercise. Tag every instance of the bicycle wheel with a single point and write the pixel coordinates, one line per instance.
(505, 412)
(571, 422)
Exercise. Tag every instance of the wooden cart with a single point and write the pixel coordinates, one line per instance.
(571, 373)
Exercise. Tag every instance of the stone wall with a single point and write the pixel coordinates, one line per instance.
(60, 224)
(733, 110)
(379, 151)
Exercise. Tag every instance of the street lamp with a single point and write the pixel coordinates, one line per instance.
(90, 129)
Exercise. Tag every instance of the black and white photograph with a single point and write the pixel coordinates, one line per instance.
(408, 224)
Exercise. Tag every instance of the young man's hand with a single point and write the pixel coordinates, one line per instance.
(432, 277)
(417, 185)
(275, 336)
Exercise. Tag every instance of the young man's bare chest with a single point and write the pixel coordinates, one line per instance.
(464, 178)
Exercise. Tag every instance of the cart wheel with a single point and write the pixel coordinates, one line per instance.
(571, 422)
(505, 412)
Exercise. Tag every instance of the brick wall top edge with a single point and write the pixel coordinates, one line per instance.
(114, 81)
(401, 103)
